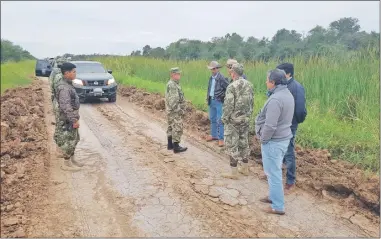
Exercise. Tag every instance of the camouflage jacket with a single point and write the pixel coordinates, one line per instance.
(174, 98)
(55, 71)
(239, 102)
(68, 101)
(54, 83)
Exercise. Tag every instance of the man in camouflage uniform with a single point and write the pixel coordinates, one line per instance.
(237, 110)
(66, 134)
(56, 68)
(175, 108)
(57, 76)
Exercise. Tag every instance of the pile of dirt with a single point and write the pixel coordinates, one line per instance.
(23, 156)
(317, 172)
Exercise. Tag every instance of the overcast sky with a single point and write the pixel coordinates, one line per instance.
(54, 28)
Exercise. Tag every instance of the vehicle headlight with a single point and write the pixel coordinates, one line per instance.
(77, 82)
(110, 81)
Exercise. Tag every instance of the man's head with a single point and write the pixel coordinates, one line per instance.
(275, 77)
(175, 73)
(214, 67)
(288, 68)
(68, 71)
(236, 71)
(230, 63)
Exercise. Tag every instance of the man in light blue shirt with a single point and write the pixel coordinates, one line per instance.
(215, 97)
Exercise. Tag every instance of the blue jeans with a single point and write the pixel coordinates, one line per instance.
(290, 160)
(215, 114)
(272, 157)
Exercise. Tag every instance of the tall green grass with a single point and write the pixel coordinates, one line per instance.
(342, 96)
(15, 74)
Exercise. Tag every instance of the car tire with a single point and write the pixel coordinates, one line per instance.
(82, 100)
(112, 98)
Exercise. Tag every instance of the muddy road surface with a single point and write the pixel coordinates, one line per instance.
(132, 186)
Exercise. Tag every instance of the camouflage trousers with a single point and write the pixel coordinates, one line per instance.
(66, 139)
(237, 143)
(175, 127)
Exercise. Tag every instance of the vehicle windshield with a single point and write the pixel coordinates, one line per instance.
(42, 63)
(89, 68)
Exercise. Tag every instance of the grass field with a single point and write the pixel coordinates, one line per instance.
(342, 97)
(16, 74)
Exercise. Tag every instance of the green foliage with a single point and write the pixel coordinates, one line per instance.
(16, 74)
(342, 35)
(342, 95)
(11, 52)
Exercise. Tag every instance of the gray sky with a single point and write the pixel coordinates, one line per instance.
(54, 28)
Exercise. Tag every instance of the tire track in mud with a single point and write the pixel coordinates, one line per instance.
(174, 209)
(80, 204)
(306, 216)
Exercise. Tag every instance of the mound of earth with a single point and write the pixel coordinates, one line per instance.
(23, 156)
(317, 172)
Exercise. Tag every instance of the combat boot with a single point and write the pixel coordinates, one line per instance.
(244, 169)
(75, 162)
(178, 149)
(68, 166)
(170, 144)
(233, 174)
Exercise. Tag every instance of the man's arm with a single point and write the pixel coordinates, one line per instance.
(300, 104)
(224, 82)
(272, 115)
(173, 99)
(228, 106)
(64, 101)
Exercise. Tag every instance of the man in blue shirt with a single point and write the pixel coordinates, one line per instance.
(215, 97)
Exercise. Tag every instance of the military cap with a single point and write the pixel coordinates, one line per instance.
(238, 68)
(230, 62)
(175, 70)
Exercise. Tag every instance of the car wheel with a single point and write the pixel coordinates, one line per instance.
(82, 100)
(112, 98)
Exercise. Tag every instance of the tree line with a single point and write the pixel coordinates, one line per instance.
(340, 37)
(12, 52)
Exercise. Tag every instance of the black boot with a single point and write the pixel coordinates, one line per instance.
(178, 149)
(170, 144)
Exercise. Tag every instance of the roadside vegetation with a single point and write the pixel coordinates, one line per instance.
(17, 65)
(14, 74)
(342, 97)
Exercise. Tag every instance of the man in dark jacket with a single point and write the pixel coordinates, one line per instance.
(215, 97)
(300, 113)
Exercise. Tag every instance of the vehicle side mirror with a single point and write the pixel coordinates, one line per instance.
(109, 71)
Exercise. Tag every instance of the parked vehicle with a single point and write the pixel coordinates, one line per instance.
(43, 68)
(93, 81)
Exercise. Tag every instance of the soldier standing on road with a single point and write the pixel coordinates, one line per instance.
(237, 110)
(56, 68)
(66, 134)
(53, 87)
(175, 108)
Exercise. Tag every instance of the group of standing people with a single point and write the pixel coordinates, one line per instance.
(231, 103)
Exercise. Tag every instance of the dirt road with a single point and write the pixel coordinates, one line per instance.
(132, 186)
